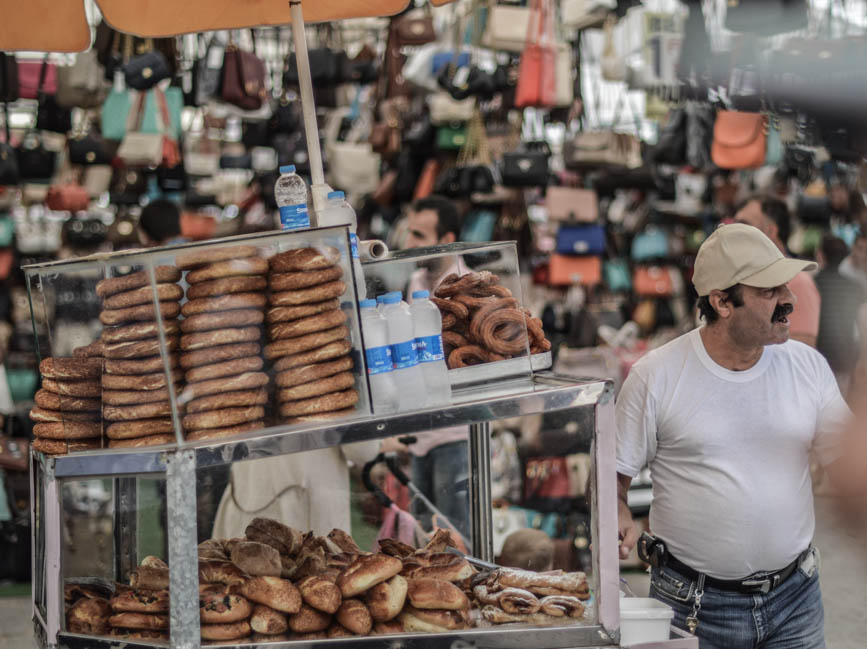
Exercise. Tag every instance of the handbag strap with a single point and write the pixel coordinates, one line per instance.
(43, 71)
(6, 123)
(164, 119)
(135, 118)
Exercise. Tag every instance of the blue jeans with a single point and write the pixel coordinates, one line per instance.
(443, 476)
(790, 616)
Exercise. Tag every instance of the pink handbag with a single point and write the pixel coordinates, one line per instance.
(572, 204)
(29, 73)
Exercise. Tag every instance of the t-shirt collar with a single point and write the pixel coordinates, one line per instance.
(726, 374)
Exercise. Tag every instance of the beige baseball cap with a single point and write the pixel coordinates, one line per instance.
(742, 254)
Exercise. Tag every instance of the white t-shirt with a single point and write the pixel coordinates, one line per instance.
(728, 451)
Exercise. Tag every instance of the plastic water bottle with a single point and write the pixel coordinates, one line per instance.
(339, 212)
(427, 322)
(290, 192)
(377, 352)
(401, 338)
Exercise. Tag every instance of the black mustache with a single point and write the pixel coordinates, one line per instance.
(782, 311)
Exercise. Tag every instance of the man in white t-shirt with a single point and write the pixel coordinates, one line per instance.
(726, 416)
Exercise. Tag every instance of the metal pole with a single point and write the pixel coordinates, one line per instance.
(125, 527)
(480, 491)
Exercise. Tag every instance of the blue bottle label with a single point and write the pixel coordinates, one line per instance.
(429, 348)
(404, 355)
(378, 360)
(293, 217)
(353, 245)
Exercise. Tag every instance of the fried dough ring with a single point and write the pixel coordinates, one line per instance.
(449, 321)
(490, 306)
(496, 329)
(454, 339)
(459, 310)
(465, 283)
(461, 356)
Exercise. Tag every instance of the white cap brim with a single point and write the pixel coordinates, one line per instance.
(782, 271)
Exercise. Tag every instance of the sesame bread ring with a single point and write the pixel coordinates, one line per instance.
(205, 339)
(316, 388)
(163, 274)
(224, 320)
(139, 442)
(312, 372)
(228, 268)
(133, 397)
(288, 313)
(327, 352)
(49, 416)
(139, 365)
(113, 317)
(62, 446)
(308, 295)
(245, 381)
(68, 429)
(303, 279)
(219, 354)
(225, 368)
(308, 325)
(224, 303)
(139, 428)
(300, 344)
(225, 632)
(153, 381)
(227, 400)
(304, 259)
(88, 389)
(143, 295)
(140, 411)
(323, 403)
(221, 433)
(209, 256)
(139, 348)
(54, 401)
(226, 286)
(93, 350)
(223, 418)
(137, 331)
(70, 368)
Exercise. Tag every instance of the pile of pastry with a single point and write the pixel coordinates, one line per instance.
(483, 322)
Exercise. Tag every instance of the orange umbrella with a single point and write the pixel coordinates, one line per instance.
(44, 26)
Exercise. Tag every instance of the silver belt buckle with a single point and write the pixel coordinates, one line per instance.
(763, 585)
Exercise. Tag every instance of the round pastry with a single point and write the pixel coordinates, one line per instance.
(268, 621)
(43, 415)
(320, 404)
(317, 388)
(223, 303)
(140, 366)
(196, 258)
(219, 354)
(320, 593)
(218, 607)
(205, 339)
(220, 572)
(223, 418)
(304, 259)
(88, 389)
(226, 285)
(246, 381)
(289, 313)
(503, 332)
(225, 368)
(54, 401)
(88, 615)
(308, 295)
(140, 442)
(68, 429)
(354, 616)
(457, 309)
(141, 601)
(222, 433)
(70, 369)
(141, 411)
(385, 600)
(312, 372)
(154, 381)
(93, 350)
(143, 295)
(321, 416)
(225, 632)
(274, 592)
(137, 331)
(292, 346)
(293, 281)
(309, 620)
(222, 400)
(147, 621)
(235, 318)
(308, 325)
(367, 571)
(336, 349)
(139, 348)
(256, 559)
(439, 594)
(163, 274)
(111, 317)
(133, 397)
(139, 428)
(63, 446)
(228, 268)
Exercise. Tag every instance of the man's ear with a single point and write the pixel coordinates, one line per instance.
(720, 303)
(448, 237)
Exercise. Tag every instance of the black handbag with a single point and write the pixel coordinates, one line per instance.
(172, 179)
(242, 161)
(527, 167)
(88, 150)
(50, 116)
(8, 77)
(327, 67)
(448, 183)
(145, 71)
(8, 158)
(286, 118)
(128, 183)
(35, 162)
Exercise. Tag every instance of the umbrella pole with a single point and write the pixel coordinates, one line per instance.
(311, 129)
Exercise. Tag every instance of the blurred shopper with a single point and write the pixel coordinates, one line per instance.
(160, 224)
(725, 417)
(771, 216)
(855, 265)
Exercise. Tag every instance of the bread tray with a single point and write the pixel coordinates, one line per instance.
(499, 370)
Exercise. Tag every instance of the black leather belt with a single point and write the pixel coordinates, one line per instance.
(758, 583)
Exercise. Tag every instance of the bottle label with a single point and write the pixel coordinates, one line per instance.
(429, 348)
(353, 245)
(378, 359)
(404, 355)
(293, 217)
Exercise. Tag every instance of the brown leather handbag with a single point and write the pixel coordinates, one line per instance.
(14, 452)
(739, 140)
(243, 79)
(415, 28)
(68, 198)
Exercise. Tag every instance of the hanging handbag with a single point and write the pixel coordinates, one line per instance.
(446, 110)
(50, 116)
(537, 86)
(580, 239)
(243, 79)
(451, 138)
(739, 140)
(506, 28)
(67, 198)
(603, 148)
(35, 162)
(87, 149)
(650, 244)
(774, 149)
(97, 179)
(8, 156)
(478, 226)
(526, 167)
(564, 75)
(565, 270)
(415, 27)
(146, 70)
(142, 149)
(35, 77)
(14, 454)
(81, 84)
(617, 275)
(653, 281)
(8, 78)
(570, 204)
(116, 109)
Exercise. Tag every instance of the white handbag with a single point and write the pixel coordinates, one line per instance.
(446, 110)
(263, 158)
(564, 75)
(97, 179)
(584, 14)
(353, 166)
(138, 149)
(507, 28)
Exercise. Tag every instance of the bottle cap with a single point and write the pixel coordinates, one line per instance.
(380, 298)
(367, 304)
(392, 298)
(287, 169)
(334, 195)
(420, 295)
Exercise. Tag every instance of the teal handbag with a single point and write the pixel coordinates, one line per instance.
(115, 112)
(7, 229)
(22, 383)
(617, 275)
(774, 150)
(650, 244)
(479, 226)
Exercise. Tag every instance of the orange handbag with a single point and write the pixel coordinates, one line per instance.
(739, 140)
(537, 85)
(653, 281)
(564, 270)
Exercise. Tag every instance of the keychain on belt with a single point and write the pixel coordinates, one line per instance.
(692, 620)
